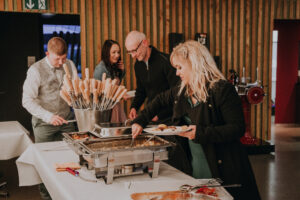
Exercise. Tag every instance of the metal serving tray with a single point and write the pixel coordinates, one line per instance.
(111, 129)
(80, 136)
(73, 138)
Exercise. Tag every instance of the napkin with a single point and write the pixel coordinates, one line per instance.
(60, 167)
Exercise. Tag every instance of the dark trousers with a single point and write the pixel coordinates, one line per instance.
(44, 132)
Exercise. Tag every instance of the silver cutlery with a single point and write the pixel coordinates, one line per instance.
(132, 142)
(189, 188)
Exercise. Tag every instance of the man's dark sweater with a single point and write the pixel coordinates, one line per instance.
(159, 76)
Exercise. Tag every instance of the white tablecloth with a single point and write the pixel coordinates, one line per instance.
(36, 165)
(13, 139)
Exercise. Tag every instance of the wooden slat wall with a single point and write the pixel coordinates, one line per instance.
(239, 31)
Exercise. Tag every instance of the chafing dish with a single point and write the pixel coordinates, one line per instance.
(114, 157)
(111, 129)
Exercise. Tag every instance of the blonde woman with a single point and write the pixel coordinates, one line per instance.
(211, 107)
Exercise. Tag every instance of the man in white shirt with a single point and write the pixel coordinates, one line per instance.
(41, 95)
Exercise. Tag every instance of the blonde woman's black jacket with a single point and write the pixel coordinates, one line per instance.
(220, 124)
(158, 77)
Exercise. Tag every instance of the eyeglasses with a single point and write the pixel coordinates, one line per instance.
(135, 50)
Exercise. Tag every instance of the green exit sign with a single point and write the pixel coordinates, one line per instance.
(35, 4)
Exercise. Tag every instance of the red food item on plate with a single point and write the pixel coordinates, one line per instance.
(208, 191)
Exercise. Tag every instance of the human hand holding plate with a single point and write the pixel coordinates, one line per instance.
(190, 134)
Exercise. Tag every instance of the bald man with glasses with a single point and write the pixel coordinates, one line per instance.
(153, 71)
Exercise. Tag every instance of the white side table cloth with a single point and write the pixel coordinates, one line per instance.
(14, 139)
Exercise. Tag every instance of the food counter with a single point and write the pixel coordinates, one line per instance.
(37, 163)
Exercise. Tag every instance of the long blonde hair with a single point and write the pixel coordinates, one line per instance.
(204, 69)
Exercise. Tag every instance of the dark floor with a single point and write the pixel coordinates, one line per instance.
(277, 175)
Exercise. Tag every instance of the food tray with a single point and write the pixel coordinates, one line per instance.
(80, 136)
(123, 143)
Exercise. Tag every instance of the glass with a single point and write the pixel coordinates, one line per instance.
(135, 50)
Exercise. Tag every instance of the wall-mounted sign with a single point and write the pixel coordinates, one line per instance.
(35, 4)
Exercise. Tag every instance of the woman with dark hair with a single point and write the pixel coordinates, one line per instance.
(112, 65)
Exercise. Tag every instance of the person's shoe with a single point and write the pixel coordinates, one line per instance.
(3, 184)
(4, 194)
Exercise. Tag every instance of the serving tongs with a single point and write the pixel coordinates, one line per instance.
(150, 138)
(132, 142)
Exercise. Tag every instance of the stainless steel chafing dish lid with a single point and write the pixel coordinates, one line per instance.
(112, 125)
(111, 129)
(114, 144)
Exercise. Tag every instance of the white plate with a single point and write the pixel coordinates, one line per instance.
(167, 131)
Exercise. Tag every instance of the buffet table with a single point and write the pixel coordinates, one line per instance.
(13, 139)
(36, 165)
